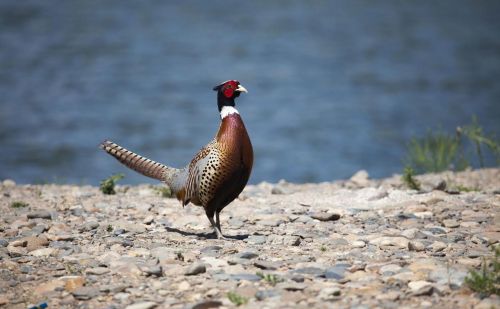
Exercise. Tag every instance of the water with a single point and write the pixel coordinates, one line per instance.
(334, 86)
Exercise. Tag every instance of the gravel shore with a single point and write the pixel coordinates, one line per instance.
(358, 243)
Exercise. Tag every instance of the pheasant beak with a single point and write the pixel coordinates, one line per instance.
(241, 89)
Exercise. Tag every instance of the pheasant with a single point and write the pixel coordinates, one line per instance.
(218, 172)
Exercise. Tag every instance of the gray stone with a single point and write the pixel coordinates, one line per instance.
(297, 278)
(419, 288)
(119, 241)
(416, 246)
(452, 277)
(325, 216)
(389, 269)
(272, 222)
(148, 220)
(97, 271)
(360, 178)
(247, 255)
(77, 211)
(335, 273)
(451, 223)
(261, 295)
(131, 227)
(39, 229)
(89, 226)
(25, 269)
(330, 293)
(435, 230)
(211, 250)
(289, 240)
(236, 223)
(164, 254)
(142, 305)
(40, 214)
(339, 242)
(118, 231)
(3, 243)
(292, 286)
(315, 271)
(267, 265)
(256, 239)
(247, 277)
(16, 251)
(195, 269)
(400, 242)
(155, 270)
(358, 244)
(206, 304)
(85, 293)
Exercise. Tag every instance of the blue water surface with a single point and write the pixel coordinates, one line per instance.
(334, 86)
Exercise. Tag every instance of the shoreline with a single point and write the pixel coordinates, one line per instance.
(355, 242)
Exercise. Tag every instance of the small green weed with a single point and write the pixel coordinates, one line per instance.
(164, 191)
(108, 185)
(236, 298)
(109, 229)
(436, 152)
(322, 249)
(179, 256)
(269, 278)
(466, 189)
(487, 281)
(477, 137)
(409, 180)
(19, 204)
(439, 151)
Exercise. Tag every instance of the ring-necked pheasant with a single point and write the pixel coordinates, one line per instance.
(219, 171)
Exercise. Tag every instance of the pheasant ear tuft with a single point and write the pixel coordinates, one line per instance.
(218, 87)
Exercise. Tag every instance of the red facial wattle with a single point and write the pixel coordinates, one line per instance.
(228, 92)
(229, 88)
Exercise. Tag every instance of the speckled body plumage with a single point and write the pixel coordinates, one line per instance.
(218, 172)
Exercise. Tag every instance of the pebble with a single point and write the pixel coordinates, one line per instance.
(267, 265)
(247, 277)
(85, 293)
(73, 282)
(358, 244)
(247, 255)
(416, 246)
(400, 242)
(155, 270)
(196, 269)
(256, 239)
(89, 226)
(451, 223)
(419, 288)
(44, 252)
(142, 305)
(390, 269)
(266, 294)
(97, 271)
(310, 271)
(330, 293)
(40, 214)
(206, 304)
(324, 216)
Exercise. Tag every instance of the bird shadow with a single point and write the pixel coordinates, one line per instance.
(205, 235)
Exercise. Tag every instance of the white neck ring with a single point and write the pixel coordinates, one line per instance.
(227, 110)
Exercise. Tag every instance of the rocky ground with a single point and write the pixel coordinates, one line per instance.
(358, 243)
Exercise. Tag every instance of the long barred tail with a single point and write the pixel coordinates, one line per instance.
(136, 162)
